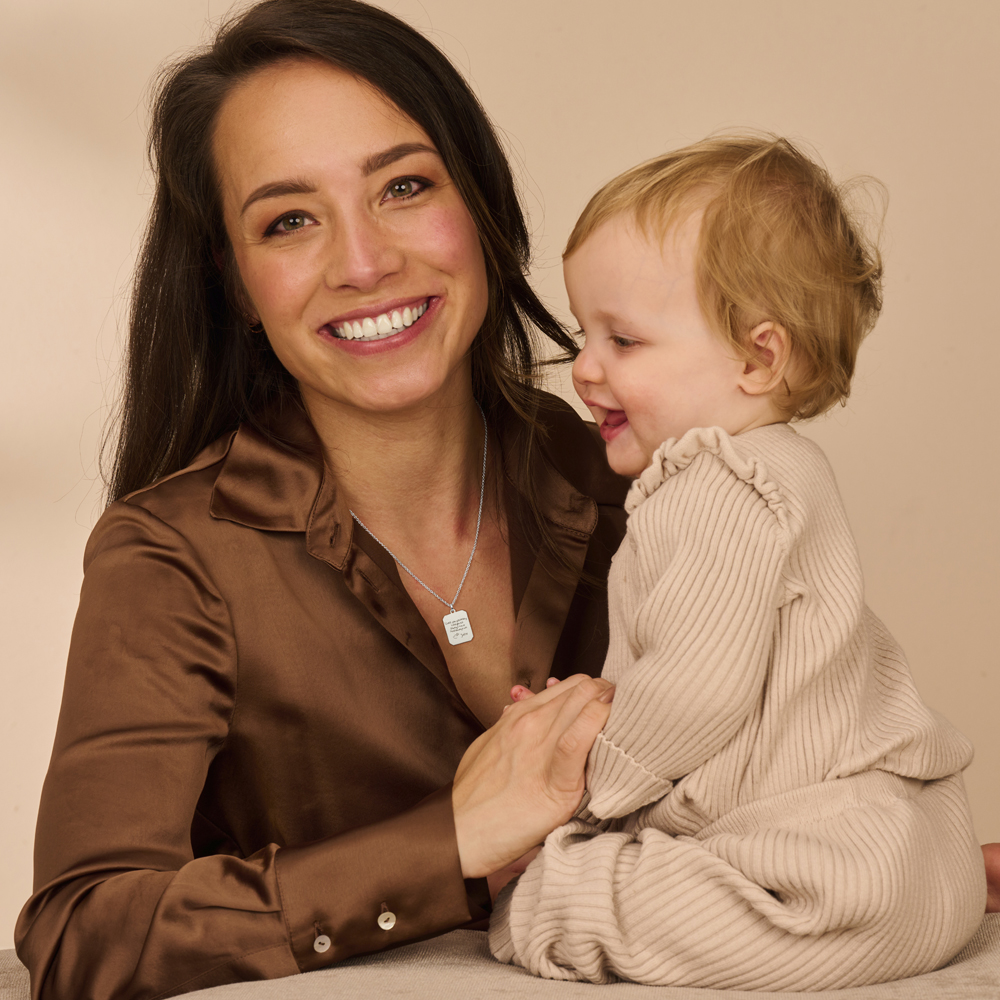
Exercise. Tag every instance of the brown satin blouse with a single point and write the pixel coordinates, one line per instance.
(258, 730)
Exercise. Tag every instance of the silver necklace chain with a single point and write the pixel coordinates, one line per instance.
(475, 542)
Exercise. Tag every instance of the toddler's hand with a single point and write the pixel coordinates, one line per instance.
(520, 693)
(497, 880)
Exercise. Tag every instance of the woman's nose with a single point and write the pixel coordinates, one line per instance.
(364, 253)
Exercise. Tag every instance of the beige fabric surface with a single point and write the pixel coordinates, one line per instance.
(458, 966)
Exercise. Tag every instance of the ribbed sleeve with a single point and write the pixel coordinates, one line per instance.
(771, 805)
(710, 583)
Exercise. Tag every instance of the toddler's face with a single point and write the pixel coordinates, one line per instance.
(651, 367)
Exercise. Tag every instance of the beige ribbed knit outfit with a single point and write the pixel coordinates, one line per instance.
(791, 815)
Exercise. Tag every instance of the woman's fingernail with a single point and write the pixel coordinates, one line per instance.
(608, 696)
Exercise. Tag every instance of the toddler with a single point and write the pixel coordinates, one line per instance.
(771, 806)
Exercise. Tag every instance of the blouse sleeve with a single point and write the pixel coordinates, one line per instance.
(121, 906)
(704, 582)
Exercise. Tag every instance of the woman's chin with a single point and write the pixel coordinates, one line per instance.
(396, 391)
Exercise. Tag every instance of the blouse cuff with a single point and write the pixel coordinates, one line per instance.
(375, 887)
(477, 894)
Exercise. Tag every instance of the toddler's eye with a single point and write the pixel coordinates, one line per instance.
(622, 342)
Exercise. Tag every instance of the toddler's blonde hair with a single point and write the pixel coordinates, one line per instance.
(776, 243)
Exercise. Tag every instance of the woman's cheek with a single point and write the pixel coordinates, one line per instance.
(450, 244)
(278, 280)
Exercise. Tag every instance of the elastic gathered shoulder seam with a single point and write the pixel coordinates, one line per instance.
(674, 457)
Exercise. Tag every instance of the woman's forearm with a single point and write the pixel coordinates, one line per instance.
(122, 907)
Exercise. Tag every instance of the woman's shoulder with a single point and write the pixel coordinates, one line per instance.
(165, 511)
(195, 480)
(247, 477)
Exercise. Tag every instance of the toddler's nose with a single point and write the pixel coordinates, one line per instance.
(586, 370)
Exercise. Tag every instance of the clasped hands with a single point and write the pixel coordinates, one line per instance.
(525, 775)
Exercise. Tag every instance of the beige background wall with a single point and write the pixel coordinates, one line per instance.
(582, 89)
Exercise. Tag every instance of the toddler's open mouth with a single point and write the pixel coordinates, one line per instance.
(614, 423)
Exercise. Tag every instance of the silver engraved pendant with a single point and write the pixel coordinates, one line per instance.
(457, 627)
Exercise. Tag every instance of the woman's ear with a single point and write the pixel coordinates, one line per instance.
(770, 348)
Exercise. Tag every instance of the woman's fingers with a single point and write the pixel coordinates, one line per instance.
(524, 776)
(580, 718)
(571, 701)
(565, 689)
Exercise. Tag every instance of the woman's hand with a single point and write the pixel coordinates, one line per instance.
(525, 775)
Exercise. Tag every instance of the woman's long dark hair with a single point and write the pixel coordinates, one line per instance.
(195, 369)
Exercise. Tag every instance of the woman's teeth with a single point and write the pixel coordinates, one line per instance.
(381, 326)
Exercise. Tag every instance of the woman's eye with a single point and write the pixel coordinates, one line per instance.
(288, 223)
(405, 187)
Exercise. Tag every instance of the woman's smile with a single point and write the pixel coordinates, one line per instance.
(376, 330)
(370, 324)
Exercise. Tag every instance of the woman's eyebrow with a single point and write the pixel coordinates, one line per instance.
(275, 189)
(379, 160)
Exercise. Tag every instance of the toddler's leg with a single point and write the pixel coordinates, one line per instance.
(849, 897)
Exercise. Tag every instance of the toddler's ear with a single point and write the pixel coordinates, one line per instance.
(771, 348)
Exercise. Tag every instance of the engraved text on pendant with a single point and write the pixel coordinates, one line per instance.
(456, 625)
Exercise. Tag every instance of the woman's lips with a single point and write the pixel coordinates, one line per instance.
(379, 345)
(377, 324)
(614, 423)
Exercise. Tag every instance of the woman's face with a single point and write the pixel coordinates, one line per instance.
(355, 247)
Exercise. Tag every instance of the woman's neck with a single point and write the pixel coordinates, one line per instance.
(411, 475)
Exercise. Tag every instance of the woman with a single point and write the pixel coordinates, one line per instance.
(263, 714)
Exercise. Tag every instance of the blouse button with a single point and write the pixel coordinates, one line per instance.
(322, 943)
(387, 920)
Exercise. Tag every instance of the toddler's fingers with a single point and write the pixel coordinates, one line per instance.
(521, 693)
(556, 692)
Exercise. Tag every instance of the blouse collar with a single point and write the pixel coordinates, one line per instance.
(278, 481)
